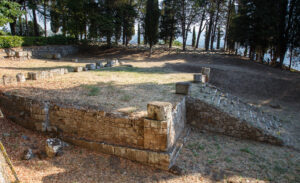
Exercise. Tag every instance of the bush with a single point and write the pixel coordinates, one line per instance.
(17, 41)
(177, 43)
(10, 41)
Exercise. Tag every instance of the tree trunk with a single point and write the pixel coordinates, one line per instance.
(200, 29)
(45, 17)
(183, 29)
(139, 34)
(20, 26)
(35, 24)
(150, 53)
(246, 51)
(227, 24)
(215, 27)
(219, 38)
(208, 36)
(13, 28)
(291, 58)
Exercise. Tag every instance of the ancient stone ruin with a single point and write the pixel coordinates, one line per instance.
(154, 139)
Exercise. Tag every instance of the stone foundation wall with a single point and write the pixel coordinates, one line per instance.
(131, 138)
(43, 51)
(210, 118)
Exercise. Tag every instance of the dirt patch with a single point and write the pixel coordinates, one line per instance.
(205, 158)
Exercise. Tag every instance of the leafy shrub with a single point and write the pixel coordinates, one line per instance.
(177, 43)
(17, 41)
(10, 41)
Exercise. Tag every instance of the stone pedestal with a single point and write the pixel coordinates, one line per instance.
(197, 78)
(91, 66)
(160, 111)
(206, 71)
(78, 69)
(204, 79)
(21, 78)
(183, 88)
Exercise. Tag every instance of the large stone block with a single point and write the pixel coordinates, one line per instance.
(197, 78)
(78, 69)
(183, 88)
(160, 111)
(20, 54)
(206, 71)
(99, 64)
(8, 80)
(57, 56)
(91, 66)
(20, 78)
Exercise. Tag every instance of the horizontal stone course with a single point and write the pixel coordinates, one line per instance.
(138, 139)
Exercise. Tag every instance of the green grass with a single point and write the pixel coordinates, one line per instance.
(92, 90)
(125, 98)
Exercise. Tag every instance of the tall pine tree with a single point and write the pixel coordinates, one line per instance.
(151, 23)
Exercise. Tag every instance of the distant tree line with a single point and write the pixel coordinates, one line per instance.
(260, 26)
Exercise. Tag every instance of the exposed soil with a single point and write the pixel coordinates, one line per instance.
(205, 158)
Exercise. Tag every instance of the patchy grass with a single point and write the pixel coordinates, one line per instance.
(111, 89)
(92, 90)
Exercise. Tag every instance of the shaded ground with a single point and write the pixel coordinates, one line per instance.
(205, 158)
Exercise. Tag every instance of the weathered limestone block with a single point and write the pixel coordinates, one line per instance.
(77, 69)
(91, 66)
(53, 147)
(66, 71)
(10, 52)
(57, 56)
(99, 64)
(206, 71)
(29, 54)
(197, 78)
(20, 78)
(20, 54)
(160, 111)
(204, 79)
(112, 63)
(8, 80)
(155, 135)
(183, 88)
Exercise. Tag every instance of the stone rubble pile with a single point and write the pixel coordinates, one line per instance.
(240, 110)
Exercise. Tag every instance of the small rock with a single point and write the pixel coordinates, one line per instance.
(28, 154)
(176, 170)
(85, 69)
(91, 66)
(53, 147)
(6, 134)
(25, 137)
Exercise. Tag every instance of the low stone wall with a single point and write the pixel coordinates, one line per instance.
(209, 118)
(41, 51)
(146, 140)
(209, 109)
